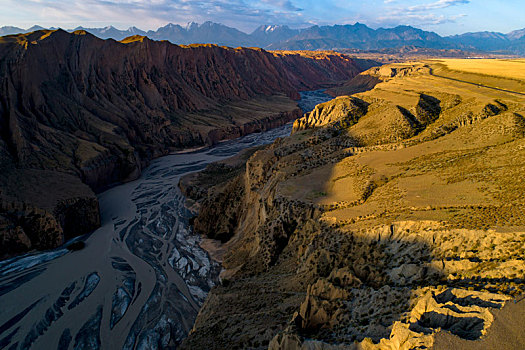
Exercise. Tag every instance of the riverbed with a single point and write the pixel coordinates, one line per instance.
(142, 276)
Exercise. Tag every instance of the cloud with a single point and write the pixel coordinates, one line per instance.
(440, 4)
(149, 14)
(422, 15)
(418, 19)
(283, 4)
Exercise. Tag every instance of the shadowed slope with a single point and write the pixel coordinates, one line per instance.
(95, 112)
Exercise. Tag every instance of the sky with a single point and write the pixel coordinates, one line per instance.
(446, 17)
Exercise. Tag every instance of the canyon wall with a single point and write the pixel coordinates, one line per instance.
(97, 111)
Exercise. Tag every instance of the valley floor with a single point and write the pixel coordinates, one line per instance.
(142, 276)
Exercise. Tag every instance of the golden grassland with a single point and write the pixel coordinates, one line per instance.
(514, 69)
(497, 74)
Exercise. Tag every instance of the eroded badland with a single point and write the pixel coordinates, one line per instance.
(387, 217)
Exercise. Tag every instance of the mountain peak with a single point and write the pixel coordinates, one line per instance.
(169, 26)
(273, 28)
(191, 25)
(516, 34)
(326, 37)
(270, 28)
(35, 28)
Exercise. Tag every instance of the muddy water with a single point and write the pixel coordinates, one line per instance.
(140, 280)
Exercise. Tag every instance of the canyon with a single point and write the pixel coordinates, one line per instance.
(157, 196)
(79, 114)
(140, 278)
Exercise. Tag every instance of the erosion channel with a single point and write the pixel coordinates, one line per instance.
(141, 278)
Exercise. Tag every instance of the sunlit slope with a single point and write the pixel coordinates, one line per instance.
(496, 74)
(512, 69)
(442, 142)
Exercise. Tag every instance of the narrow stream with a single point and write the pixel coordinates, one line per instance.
(142, 277)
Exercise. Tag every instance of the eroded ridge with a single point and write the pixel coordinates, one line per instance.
(387, 217)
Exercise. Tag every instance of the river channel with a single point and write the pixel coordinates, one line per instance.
(142, 276)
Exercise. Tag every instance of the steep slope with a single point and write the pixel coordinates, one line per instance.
(364, 81)
(94, 112)
(387, 217)
(311, 69)
(516, 34)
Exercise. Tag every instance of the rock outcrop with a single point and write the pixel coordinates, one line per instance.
(100, 110)
(41, 209)
(374, 75)
(387, 217)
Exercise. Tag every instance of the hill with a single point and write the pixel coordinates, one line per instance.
(389, 216)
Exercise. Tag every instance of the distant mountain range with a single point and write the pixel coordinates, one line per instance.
(282, 37)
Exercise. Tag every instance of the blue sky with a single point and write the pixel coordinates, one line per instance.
(442, 16)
